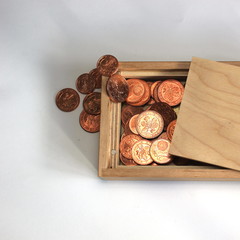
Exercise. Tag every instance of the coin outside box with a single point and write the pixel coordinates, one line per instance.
(109, 163)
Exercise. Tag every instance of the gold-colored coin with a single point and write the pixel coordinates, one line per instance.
(159, 151)
(149, 124)
(140, 152)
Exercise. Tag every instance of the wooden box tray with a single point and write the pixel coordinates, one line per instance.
(109, 163)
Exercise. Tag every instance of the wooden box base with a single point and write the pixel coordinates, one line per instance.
(109, 164)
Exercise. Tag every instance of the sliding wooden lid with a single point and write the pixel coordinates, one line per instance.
(208, 125)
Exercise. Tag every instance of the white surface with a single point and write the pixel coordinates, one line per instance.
(49, 187)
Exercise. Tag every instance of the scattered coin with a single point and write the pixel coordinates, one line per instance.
(133, 123)
(149, 124)
(128, 111)
(159, 151)
(126, 161)
(84, 84)
(171, 92)
(170, 129)
(140, 152)
(95, 75)
(117, 88)
(107, 65)
(92, 103)
(127, 143)
(67, 99)
(166, 112)
(90, 123)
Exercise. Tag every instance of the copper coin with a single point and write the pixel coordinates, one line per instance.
(159, 151)
(141, 152)
(128, 111)
(84, 84)
(117, 88)
(151, 101)
(139, 92)
(107, 65)
(127, 129)
(126, 161)
(171, 92)
(149, 124)
(154, 164)
(153, 86)
(96, 76)
(155, 92)
(133, 123)
(90, 123)
(127, 143)
(170, 129)
(163, 135)
(67, 99)
(166, 112)
(92, 103)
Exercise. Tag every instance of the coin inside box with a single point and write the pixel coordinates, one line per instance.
(110, 166)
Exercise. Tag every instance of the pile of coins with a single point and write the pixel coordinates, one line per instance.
(148, 121)
(68, 99)
(149, 110)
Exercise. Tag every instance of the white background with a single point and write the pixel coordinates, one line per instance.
(49, 187)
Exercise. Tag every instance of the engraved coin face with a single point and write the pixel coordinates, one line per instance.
(107, 65)
(84, 84)
(127, 143)
(128, 111)
(90, 123)
(159, 151)
(67, 99)
(149, 124)
(117, 88)
(92, 103)
(171, 92)
(170, 129)
(141, 152)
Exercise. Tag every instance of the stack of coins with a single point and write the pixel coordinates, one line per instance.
(68, 99)
(149, 111)
(148, 120)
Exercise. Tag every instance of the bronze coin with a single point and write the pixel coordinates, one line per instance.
(133, 123)
(107, 65)
(127, 129)
(141, 152)
(166, 112)
(155, 92)
(163, 135)
(92, 103)
(127, 143)
(159, 151)
(153, 86)
(149, 124)
(90, 123)
(117, 88)
(139, 92)
(96, 76)
(170, 129)
(129, 111)
(126, 161)
(84, 84)
(171, 92)
(67, 99)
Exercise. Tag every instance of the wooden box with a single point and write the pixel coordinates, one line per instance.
(109, 163)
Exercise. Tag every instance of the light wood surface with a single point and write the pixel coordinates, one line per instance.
(109, 167)
(208, 125)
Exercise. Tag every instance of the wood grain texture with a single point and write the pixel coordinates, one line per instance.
(208, 123)
(109, 167)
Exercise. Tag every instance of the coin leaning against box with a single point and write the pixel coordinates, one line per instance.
(149, 111)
